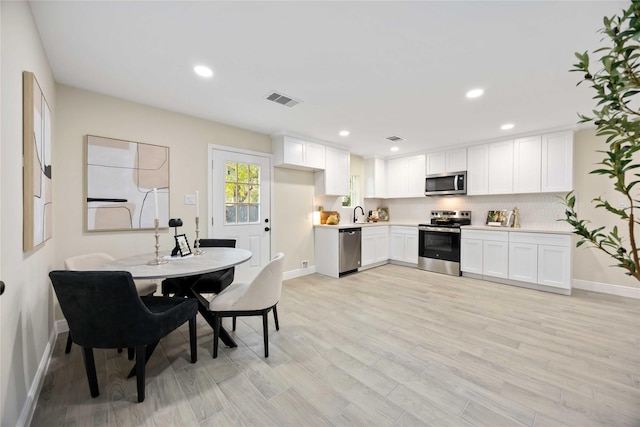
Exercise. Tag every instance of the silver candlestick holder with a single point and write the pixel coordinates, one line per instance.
(158, 260)
(197, 250)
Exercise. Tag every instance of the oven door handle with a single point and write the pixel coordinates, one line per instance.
(440, 229)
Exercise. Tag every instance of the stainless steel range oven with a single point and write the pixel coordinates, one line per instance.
(439, 242)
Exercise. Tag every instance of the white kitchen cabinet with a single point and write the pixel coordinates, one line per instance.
(405, 176)
(478, 170)
(541, 258)
(501, 167)
(471, 255)
(436, 163)
(326, 249)
(403, 244)
(485, 252)
(495, 258)
(295, 153)
(523, 262)
(335, 178)
(557, 162)
(447, 161)
(375, 178)
(554, 266)
(375, 245)
(527, 164)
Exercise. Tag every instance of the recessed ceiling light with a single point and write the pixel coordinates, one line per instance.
(507, 126)
(203, 71)
(344, 133)
(475, 93)
(394, 148)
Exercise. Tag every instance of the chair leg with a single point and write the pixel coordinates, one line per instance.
(67, 349)
(193, 339)
(275, 317)
(216, 334)
(140, 362)
(90, 367)
(234, 323)
(265, 332)
(119, 349)
(131, 353)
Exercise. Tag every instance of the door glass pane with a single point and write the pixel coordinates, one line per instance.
(243, 213)
(232, 173)
(254, 213)
(242, 193)
(230, 193)
(230, 214)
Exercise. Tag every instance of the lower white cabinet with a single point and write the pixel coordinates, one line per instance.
(403, 244)
(495, 258)
(531, 259)
(375, 245)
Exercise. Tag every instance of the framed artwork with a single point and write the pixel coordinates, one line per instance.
(498, 218)
(37, 208)
(183, 245)
(383, 214)
(120, 180)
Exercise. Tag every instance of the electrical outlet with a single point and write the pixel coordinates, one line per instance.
(189, 199)
(305, 264)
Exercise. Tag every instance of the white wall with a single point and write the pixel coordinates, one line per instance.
(25, 307)
(590, 264)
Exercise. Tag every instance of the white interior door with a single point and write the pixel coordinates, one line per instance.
(240, 204)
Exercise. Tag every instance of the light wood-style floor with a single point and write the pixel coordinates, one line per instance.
(388, 346)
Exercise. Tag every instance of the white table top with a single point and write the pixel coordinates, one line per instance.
(213, 259)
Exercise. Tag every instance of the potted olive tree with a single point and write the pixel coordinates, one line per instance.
(616, 84)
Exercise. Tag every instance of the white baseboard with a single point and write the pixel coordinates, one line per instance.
(61, 326)
(292, 274)
(606, 288)
(36, 386)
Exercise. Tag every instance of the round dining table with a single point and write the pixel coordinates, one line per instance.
(213, 259)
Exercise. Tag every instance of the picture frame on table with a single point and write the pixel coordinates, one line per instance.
(499, 218)
(183, 245)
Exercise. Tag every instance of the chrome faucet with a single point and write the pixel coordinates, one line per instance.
(355, 219)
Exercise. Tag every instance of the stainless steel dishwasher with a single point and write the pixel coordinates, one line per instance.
(350, 250)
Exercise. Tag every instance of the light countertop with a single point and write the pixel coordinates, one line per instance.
(365, 225)
(518, 230)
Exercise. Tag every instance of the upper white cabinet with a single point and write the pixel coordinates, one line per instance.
(539, 163)
(375, 178)
(447, 161)
(334, 179)
(478, 170)
(527, 159)
(557, 162)
(296, 153)
(405, 176)
(501, 167)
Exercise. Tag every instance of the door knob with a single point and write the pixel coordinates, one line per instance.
(1, 287)
(267, 229)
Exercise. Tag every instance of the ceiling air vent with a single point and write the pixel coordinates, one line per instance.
(395, 138)
(282, 99)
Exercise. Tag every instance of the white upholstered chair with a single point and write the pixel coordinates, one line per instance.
(255, 298)
(94, 262)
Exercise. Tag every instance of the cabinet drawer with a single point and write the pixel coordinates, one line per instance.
(540, 238)
(498, 236)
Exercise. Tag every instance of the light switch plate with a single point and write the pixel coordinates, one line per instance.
(189, 199)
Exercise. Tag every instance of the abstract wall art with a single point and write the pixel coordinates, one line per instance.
(36, 120)
(120, 180)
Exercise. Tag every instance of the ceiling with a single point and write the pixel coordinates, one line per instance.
(375, 68)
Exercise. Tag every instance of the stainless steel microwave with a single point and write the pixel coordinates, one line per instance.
(445, 184)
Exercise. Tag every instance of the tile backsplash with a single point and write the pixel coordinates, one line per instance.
(536, 210)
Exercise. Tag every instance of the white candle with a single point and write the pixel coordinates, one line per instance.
(197, 203)
(155, 198)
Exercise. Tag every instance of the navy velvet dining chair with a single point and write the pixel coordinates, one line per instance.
(103, 310)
